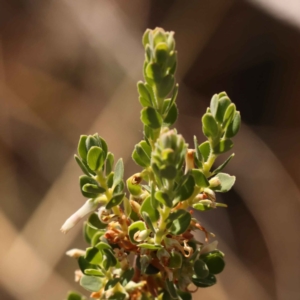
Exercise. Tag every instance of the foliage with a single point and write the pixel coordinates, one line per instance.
(152, 224)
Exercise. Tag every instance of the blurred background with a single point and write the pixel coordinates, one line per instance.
(70, 67)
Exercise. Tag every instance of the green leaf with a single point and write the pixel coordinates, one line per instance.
(168, 172)
(150, 90)
(150, 117)
(161, 53)
(84, 264)
(110, 180)
(153, 201)
(204, 148)
(214, 104)
(146, 147)
(102, 246)
(200, 178)
(83, 180)
(172, 115)
(224, 102)
(175, 260)
(96, 237)
(150, 246)
(215, 263)
(118, 296)
(159, 36)
(226, 181)
(181, 220)
(81, 149)
(94, 222)
(171, 289)
(154, 72)
(222, 94)
(229, 114)
(186, 189)
(171, 40)
(165, 296)
(201, 269)
(202, 206)
(74, 296)
(111, 283)
(197, 150)
(115, 200)
(102, 144)
(82, 166)
(223, 165)
(127, 207)
(109, 260)
(93, 256)
(138, 160)
(85, 233)
(144, 94)
(147, 208)
(223, 146)
(164, 199)
(126, 276)
(146, 37)
(93, 188)
(90, 142)
(206, 282)
(151, 134)
(95, 158)
(119, 172)
(184, 295)
(165, 86)
(210, 126)
(234, 126)
(91, 283)
(119, 188)
(143, 154)
(109, 163)
(135, 227)
(174, 96)
(144, 102)
(172, 62)
(94, 272)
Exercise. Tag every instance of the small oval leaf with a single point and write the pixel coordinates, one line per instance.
(150, 117)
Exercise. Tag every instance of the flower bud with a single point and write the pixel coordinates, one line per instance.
(135, 206)
(140, 236)
(214, 182)
(189, 160)
(168, 157)
(210, 194)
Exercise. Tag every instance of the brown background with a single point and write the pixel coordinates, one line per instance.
(70, 67)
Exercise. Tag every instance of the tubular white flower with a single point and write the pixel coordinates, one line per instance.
(75, 253)
(87, 208)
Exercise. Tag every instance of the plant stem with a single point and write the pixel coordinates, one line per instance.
(159, 235)
(209, 163)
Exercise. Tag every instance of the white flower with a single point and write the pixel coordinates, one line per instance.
(75, 253)
(87, 208)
